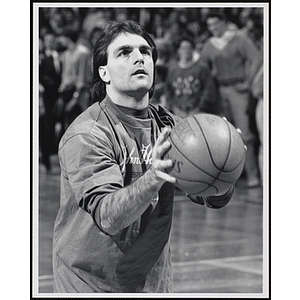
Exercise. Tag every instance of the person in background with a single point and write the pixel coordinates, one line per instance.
(161, 68)
(190, 86)
(76, 76)
(234, 61)
(254, 30)
(258, 93)
(112, 231)
(50, 79)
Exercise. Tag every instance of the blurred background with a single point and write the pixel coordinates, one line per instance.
(166, 25)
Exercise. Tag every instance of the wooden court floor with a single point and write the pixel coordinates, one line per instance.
(213, 251)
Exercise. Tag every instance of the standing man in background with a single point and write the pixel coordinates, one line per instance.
(76, 76)
(50, 78)
(234, 61)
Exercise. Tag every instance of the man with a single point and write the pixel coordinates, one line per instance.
(50, 78)
(112, 232)
(76, 76)
(190, 86)
(234, 61)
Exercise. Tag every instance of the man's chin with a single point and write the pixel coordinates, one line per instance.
(139, 92)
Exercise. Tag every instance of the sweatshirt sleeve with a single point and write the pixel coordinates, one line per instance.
(90, 166)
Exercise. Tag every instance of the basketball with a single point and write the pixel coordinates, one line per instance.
(208, 155)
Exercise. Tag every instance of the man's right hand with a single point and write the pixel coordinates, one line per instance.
(158, 164)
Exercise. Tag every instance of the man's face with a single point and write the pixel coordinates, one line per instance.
(130, 66)
(216, 26)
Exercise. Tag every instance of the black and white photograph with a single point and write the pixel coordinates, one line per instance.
(150, 150)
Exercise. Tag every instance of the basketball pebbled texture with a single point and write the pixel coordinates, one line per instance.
(208, 155)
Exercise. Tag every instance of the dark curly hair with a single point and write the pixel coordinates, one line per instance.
(110, 32)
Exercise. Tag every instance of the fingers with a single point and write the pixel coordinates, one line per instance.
(158, 164)
(160, 150)
(162, 164)
(238, 130)
(166, 177)
(158, 167)
(163, 136)
(162, 145)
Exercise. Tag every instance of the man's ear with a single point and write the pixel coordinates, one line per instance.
(103, 73)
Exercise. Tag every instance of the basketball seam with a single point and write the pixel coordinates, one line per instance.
(207, 146)
(211, 157)
(174, 145)
(229, 148)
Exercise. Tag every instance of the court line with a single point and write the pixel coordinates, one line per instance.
(219, 261)
(212, 243)
(45, 281)
(45, 277)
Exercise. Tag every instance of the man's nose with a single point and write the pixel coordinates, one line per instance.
(138, 56)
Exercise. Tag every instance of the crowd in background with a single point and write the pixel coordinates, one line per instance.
(67, 35)
(164, 24)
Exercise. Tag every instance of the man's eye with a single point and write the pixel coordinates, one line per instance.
(145, 51)
(124, 52)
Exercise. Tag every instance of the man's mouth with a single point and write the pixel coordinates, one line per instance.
(140, 72)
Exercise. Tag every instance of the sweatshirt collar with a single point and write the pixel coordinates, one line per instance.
(129, 117)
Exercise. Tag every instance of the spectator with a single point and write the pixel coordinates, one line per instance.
(94, 36)
(257, 92)
(76, 77)
(190, 86)
(158, 28)
(50, 78)
(254, 30)
(158, 97)
(234, 60)
(94, 18)
(63, 18)
(174, 34)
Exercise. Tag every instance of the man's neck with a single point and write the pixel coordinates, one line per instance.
(131, 101)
